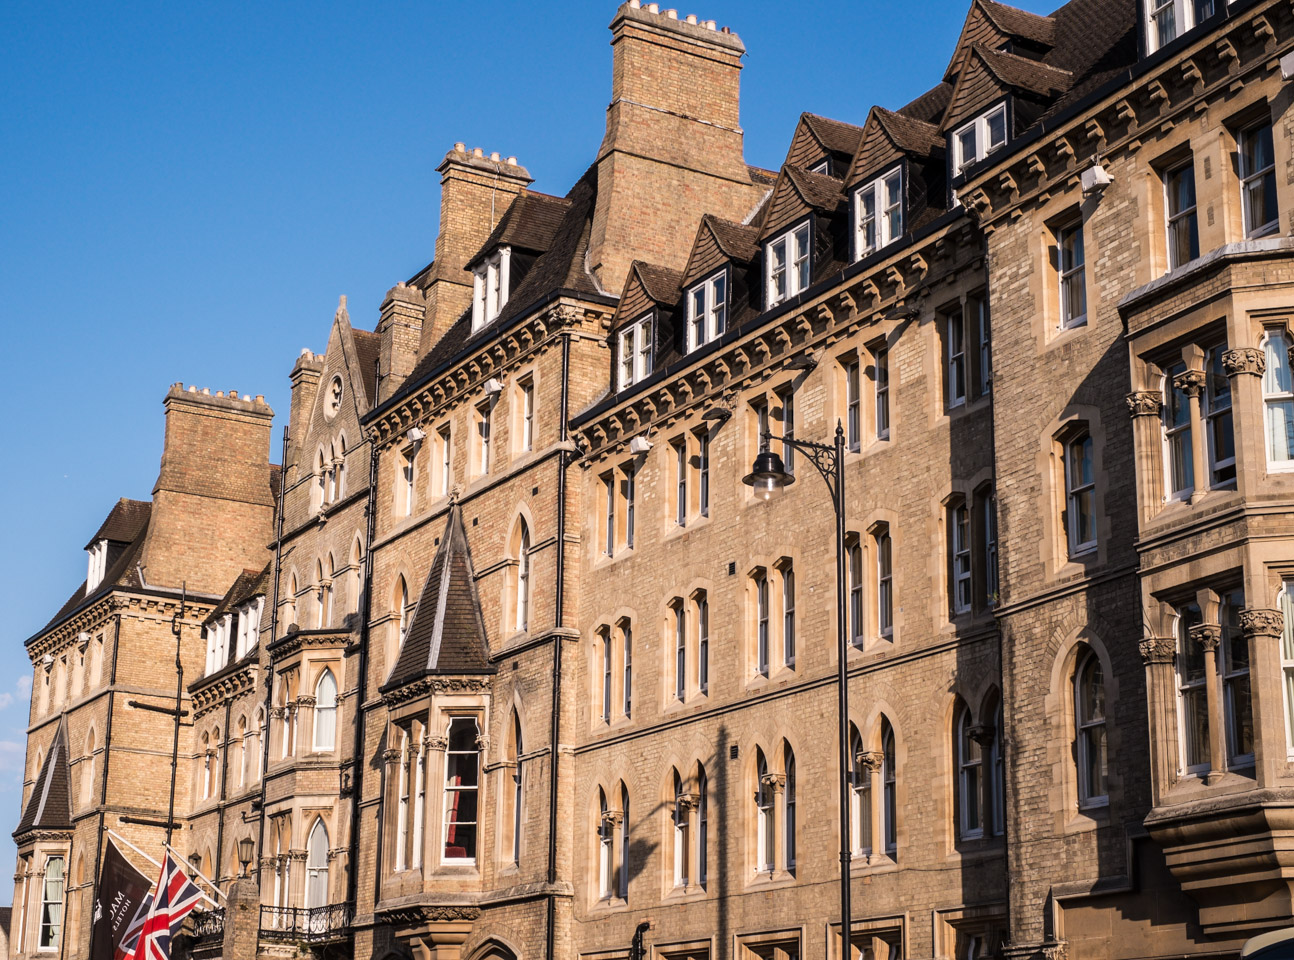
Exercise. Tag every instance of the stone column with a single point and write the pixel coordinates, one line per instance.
(1191, 383)
(1262, 630)
(305, 725)
(1145, 407)
(242, 920)
(1209, 637)
(984, 734)
(687, 805)
(775, 783)
(1245, 367)
(1157, 654)
(871, 762)
(613, 827)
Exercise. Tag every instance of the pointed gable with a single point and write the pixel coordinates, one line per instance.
(989, 74)
(529, 224)
(889, 136)
(818, 138)
(718, 242)
(995, 26)
(49, 806)
(447, 632)
(797, 193)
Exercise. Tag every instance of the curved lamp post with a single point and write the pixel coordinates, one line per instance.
(768, 477)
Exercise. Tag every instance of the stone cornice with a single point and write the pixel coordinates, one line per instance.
(224, 687)
(115, 602)
(299, 640)
(427, 686)
(493, 356)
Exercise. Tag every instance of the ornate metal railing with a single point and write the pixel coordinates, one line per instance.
(208, 924)
(311, 924)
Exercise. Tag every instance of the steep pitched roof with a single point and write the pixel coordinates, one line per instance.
(815, 136)
(124, 522)
(646, 286)
(368, 346)
(246, 586)
(988, 73)
(719, 241)
(889, 135)
(529, 223)
(993, 24)
(660, 283)
(796, 193)
(49, 806)
(447, 633)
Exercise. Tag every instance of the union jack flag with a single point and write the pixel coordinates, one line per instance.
(130, 939)
(174, 899)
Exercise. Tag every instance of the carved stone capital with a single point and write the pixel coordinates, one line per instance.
(439, 744)
(1157, 650)
(483, 743)
(304, 701)
(1191, 382)
(1257, 622)
(983, 734)
(774, 781)
(1145, 403)
(871, 759)
(278, 713)
(1207, 635)
(687, 801)
(612, 818)
(1244, 360)
(391, 755)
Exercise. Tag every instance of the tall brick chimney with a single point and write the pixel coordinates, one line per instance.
(212, 510)
(305, 376)
(400, 326)
(673, 146)
(475, 191)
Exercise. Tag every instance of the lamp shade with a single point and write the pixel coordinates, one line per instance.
(768, 475)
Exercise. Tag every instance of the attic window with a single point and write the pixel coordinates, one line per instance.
(1169, 19)
(878, 211)
(634, 352)
(823, 167)
(490, 287)
(977, 139)
(787, 264)
(98, 565)
(707, 310)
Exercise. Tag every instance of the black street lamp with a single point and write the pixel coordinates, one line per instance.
(768, 477)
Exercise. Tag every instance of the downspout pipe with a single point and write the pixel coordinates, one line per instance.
(103, 787)
(365, 612)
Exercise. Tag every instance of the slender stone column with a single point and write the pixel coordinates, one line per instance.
(1209, 637)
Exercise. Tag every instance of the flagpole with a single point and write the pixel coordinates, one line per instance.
(177, 626)
(196, 872)
(117, 836)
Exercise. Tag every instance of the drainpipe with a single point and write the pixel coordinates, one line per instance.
(224, 782)
(559, 593)
(365, 609)
(269, 670)
(103, 790)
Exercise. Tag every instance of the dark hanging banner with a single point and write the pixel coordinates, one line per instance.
(121, 892)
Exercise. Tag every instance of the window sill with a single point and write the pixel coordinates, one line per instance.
(764, 880)
(870, 864)
(683, 892)
(1088, 818)
(608, 905)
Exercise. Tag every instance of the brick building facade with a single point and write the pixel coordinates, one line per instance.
(507, 660)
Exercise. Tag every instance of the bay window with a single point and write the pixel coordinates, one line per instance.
(462, 767)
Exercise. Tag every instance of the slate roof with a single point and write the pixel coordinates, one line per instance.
(124, 522)
(530, 223)
(368, 346)
(248, 584)
(447, 632)
(836, 135)
(1021, 23)
(49, 806)
(910, 134)
(738, 240)
(660, 283)
(1023, 73)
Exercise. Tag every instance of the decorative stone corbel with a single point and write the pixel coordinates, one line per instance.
(1258, 622)
(983, 734)
(1244, 360)
(1157, 650)
(774, 781)
(871, 759)
(1191, 382)
(439, 744)
(612, 818)
(687, 801)
(1145, 403)
(1207, 635)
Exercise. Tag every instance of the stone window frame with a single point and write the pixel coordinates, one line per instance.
(608, 847)
(968, 317)
(56, 928)
(885, 937)
(449, 719)
(1054, 438)
(1242, 136)
(1070, 223)
(611, 702)
(880, 541)
(781, 944)
(512, 813)
(406, 479)
(1085, 662)
(770, 844)
(524, 404)
(684, 808)
(484, 439)
(518, 606)
(982, 726)
(874, 774)
(442, 479)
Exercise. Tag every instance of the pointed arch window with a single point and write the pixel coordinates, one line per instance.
(326, 711)
(1089, 719)
(681, 841)
(317, 866)
(523, 578)
(515, 751)
(206, 766)
(243, 747)
(87, 778)
(970, 772)
(788, 808)
(764, 816)
(402, 808)
(889, 784)
(623, 879)
(860, 783)
(702, 826)
(51, 906)
(606, 851)
(402, 601)
(462, 767)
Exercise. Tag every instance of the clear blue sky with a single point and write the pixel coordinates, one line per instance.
(186, 188)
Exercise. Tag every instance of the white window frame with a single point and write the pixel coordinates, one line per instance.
(1285, 603)
(1185, 16)
(451, 789)
(885, 216)
(1083, 733)
(857, 629)
(50, 933)
(1075, 488)
(627, 649)
(631, 495)
(981, 126)
(680, 651)
(407, 478)
(97, 565)
(703, 471)
(765, 817)
(527, 388)
(884, 546)
(484, 436)
(680, 481)
(490, 283)
(881, 381)
(707, 310)
(955, 356)
(795, 271)
(1177, 436)
(445, 437)
(1275, 347)
(703, 643)
(761, 623)
(609, 518)
(853, 403)
(1250, 178)
(605, 633)
(325, 714)
(889, 793)
(679, 817)
(1073, 274)
(968, 769)
(633, 352)
(960, 548)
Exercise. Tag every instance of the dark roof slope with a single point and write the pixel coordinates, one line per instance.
(247, 585)
(368, 347)
(530, 223)
(1021, 23)
(49, 806)
(447, 633)
(660, 283)
(124, 522)
(1025, 74)
(121, 571)
(738, 240)
(835, 135)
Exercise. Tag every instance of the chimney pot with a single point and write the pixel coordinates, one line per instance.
(512, 161)
(691, 18)
(634, 4)
(672, 14)
(478, 152)
(653, 8)
(726, 30)
(710, 25)
(495, 156)
(220, 393)
(260, 398)
(460, 147)
(193, 388)
(206, 391)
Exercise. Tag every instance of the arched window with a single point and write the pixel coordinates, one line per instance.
(606, 837)
(402, 611)
(321, 480)
(356, 576)
(326, 712)
(87, 766)
(523, 578)
(969, 773)
(884, 581)
(206, 766)
(702, 825)
(788, 807)
(861, 795)
(606, 674)
(339, 468)
(624, 843)
(291, 603)
(764, 827)
(462, 764)
(243, 747)
(419, 799)
(1278, 399)
(51, 906)
(515, 750)
(680, 833)
(322, 591)
(1089, 723)
(258, 754)
(856, 629)
(402, 807)
(317, 866)
(889, 779)
(627, 643)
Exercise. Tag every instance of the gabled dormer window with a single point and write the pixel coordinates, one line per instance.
(634, 352)
(878, 213)
(707, 310)
(98, 564)
(977, 139)
(249, 626)
(1169, 19)
(490, 287)
(786, 264)
(823, 167)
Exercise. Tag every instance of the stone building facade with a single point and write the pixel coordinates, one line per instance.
(508, 660)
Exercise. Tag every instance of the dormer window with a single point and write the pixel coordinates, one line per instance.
(634, 352)
(977, 139)
(787, 264)
(98, 565)
(823, 167)
(1169, 19)
(707, 310)
(249, 626)
(878, 211)
(490, 288)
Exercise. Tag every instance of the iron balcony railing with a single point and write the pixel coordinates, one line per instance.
(309, 924)
(209, 924)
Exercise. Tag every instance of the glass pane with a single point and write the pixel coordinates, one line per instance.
(1190, 655)
(1097, 761)
(1093, 693)
(1081, 462)
(1256, 151)
(1260, 201)
(1203, 10)
(1240, 722)
(1166, 24)
(1181, 461)
(1276, 379)
(1280, 430)
(1289, 707)
(1195, 727)
(996, 129)
(966, 145)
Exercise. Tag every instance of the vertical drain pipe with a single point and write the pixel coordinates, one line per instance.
(365, 611)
